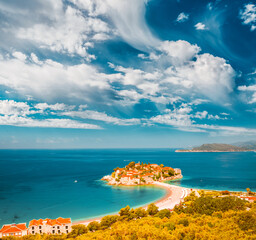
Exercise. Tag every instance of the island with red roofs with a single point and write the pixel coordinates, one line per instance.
(142, 174)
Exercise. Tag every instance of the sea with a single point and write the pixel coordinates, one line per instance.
(67, 183)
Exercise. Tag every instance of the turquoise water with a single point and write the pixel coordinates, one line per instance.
(41, 183)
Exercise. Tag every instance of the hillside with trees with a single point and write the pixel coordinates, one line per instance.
(216, 147)
(206, 217)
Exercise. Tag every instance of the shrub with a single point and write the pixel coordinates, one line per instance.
(152, 209)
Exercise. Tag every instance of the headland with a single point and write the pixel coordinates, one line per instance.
(216, 147)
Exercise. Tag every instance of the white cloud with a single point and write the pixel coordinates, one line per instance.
(201, 115)
(151, 56)
(128, 17)
(174, 118)
(94, 7)
(181, 51)
(182, 17)
(248, 15)
(101, 116)
(200, 26)
(199, 101)
(20, 121)
(69, 32)
(10, 107)
(20, 114)
(247, 88)
(189, 72)
(20, 56)
(51, 80)
(55, 107)
(251, 90)
(209, 75)
(183, 120)
(35, 59)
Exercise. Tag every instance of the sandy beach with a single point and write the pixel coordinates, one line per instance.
(174, 195)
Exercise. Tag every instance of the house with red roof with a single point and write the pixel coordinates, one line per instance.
(17, 230)
(50, 226)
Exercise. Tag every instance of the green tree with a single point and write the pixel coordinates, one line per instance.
(152, 209)
(124, 211)
(131, 165)
(77, 230)
(163, 213)
(93, 226)
(107, 221)
(171, 172)
(140, 213)
(247, 221)
(184, 222)
(142, 180)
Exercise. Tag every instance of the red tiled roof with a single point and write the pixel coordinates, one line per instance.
(249, 198)
(13, 228)
(58, 221)
(167, 168)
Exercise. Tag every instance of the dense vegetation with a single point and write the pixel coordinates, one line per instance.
(204, 217)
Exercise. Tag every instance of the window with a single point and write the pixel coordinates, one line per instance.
(53, 227)
(40, 231)
(66, 227)
(67, 231)
(40, 227)
(58, 227)
(53, 231)
(58, 231)
(33, 228)
(33, 232)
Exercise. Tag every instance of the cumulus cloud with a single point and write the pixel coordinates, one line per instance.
(248, 15)
(11, 107)
(55, 107)
(180, 51)
(251, 90)
(211, 76)
(20, 56)
(70, 32)
(200, 26)
(50, 80)
(182, 17)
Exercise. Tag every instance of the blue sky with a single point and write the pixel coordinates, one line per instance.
(130, 73)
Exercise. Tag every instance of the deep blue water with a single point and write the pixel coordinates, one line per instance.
(40, 183)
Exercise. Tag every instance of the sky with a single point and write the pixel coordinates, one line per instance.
(126, 73)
